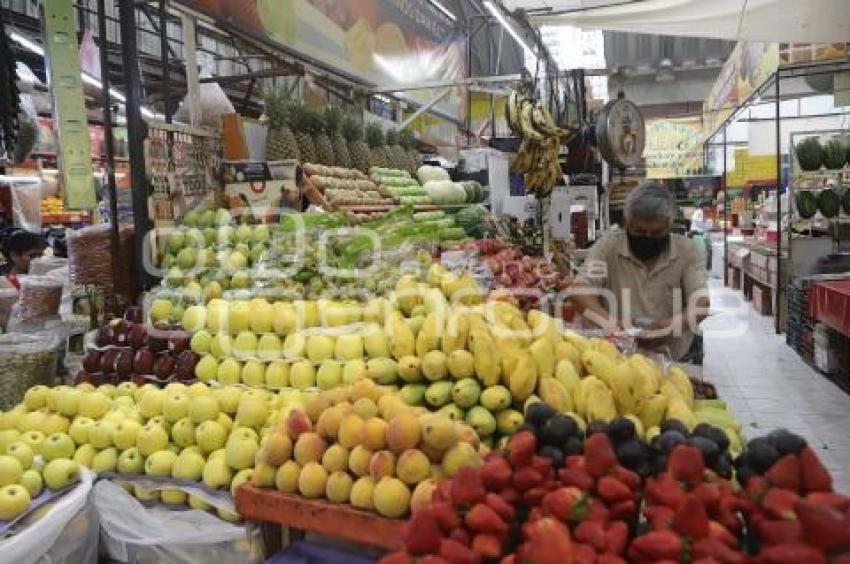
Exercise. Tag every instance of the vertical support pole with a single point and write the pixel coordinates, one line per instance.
(109, 141)
(164, 59)
(190, 56)
(725, 215)
(780, 282)
(136, 134)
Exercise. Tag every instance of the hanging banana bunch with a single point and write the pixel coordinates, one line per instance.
(538, 159)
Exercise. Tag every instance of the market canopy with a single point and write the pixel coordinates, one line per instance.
(815, 21)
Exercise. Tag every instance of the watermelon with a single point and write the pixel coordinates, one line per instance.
(829, 203)
(810, 153)
(807, 204)
(471, 219)
(834, 154)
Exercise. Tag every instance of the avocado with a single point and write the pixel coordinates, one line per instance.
(786, 442)
(631, 453)
(597, 427)
(558, 429)
(709, 449)
(538, 413)
(621, 429)
(712, 433)
(668, 439)
(674, 425)
(762, 455)
(554, 454)
(573, 446)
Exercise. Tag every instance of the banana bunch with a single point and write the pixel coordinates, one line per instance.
(538, 159)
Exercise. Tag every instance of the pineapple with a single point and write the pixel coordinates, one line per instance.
(357, 147)
(377, 147)
(280, 141)
(302, 123)
(397, 155)
(333, 123)
(411, 155)
(324, 149)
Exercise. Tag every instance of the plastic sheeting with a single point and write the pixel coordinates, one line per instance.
(785, 21)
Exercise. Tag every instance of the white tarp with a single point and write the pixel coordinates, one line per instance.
(780, 21)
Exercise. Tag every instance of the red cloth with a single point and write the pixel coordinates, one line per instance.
(829, 303)
(13, 280)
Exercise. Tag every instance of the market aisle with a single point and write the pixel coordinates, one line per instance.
(766, 384)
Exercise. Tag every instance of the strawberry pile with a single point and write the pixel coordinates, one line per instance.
(794, 514)
(691, 512)
(518, 508)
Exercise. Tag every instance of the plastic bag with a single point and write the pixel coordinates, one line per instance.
(26, 204)
(134, 533)
(46, 265)
(214, 104)
(26, 361)
(63, 532)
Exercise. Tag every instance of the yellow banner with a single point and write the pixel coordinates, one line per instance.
(751, 168)
(674, 147)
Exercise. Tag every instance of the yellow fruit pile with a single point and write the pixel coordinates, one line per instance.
(50, 206)
(362, 445)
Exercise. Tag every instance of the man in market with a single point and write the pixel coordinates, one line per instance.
(19, 248)
(643, 277)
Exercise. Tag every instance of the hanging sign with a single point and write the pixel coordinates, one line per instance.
(674, 147)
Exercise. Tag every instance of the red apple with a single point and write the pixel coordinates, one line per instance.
(124, 363)
(163, 368)
(179, 341)
(139, 380)
(138, 336)
(158, 336)
(91, 361)
(184, 365)
(83, 377)
(119, 332)
(107, 360)
(103, 337)
(143, 361)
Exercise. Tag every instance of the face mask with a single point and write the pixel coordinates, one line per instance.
(647, 248)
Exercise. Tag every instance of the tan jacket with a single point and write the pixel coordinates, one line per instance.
(645, 294)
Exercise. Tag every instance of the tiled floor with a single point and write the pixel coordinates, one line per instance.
(766, 385)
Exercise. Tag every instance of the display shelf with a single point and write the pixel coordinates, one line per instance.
(316, 516)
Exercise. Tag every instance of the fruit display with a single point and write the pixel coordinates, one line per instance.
(806, 203)
(829, 203)
(361, 445)
(538, 158)
(810, 154)
(835, 154)
(52, 205)
(280, 140)
(403, 187)
(128, 350)
(344, 186)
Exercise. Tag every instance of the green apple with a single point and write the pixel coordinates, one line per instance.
(253, 411)
(175, 406)
(107, 389)
(126, 433)
(201, 341)
(32, 481)
(22, 452)
(124, 401)
(320, 347)
(10, 469)
(36, 397)
(229, 372)
(237, 261)
(241, 449)
(203, 408)
(160, 420)
(9, 419)
(85, 455)
(131, 461)
(245, 344)
(197, 390)
(277, 375)
(150, 403)
(105, 460)
(53, 397)
(195, 317)
(294, 346)
(210, 436)
(61, 473)
(94, 405)
(69, 402)
(262, 318)
(241, 478)
(175, 388)
(188, 466)
(58, 445)
(329, 375)
(55, 423)
(14, 501)
(269, 347)
(126, 389)
(34, 439)
(302, 374)
(151, 438)
(238, 317)
(228, 398)
(100, 434)
(253, 373)
(207, 368)
(160, 310)
(284, 321)
(217, 474)
(183, 433)
(160, 463)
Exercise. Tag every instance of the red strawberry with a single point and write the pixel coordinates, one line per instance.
(610, 559)
(527, 478)
(690, 519)
(664, 490)
(446, 515)
(778, 531)
(592, 533)
(496, 473)
(597, 511)
(709, 495)
(721, 533)
(612, 490)
(815, 476)
(542, 464)
(616, 538)
(444, 491)
(510, 495)
(547, 542)
(576, 478)
(422, 533)
(521, 449)
(780, 503)
(483, 519)
(467, 487)
(834, 500)
(534, 497)
(656, 546)
(790, 553)
(629, 478)
(583, 554)
(686, 464)
(757, 486)
(599, 455)
(487, 547)
(576, 462)
(785, 473)
(713, 548)
(461, 535)
(567, 504)
(823, 526)
(500, 506)
(456, 553)
(660, 517)
(400, 557)
(624, 510)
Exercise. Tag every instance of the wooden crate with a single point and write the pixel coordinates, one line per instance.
(318, 516)
(762, 300)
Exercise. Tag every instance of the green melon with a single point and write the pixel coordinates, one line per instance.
(807, 204)
(834, 154)
(810, 153)
(829, 203)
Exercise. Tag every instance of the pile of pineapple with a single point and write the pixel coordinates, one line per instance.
(332, 138)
